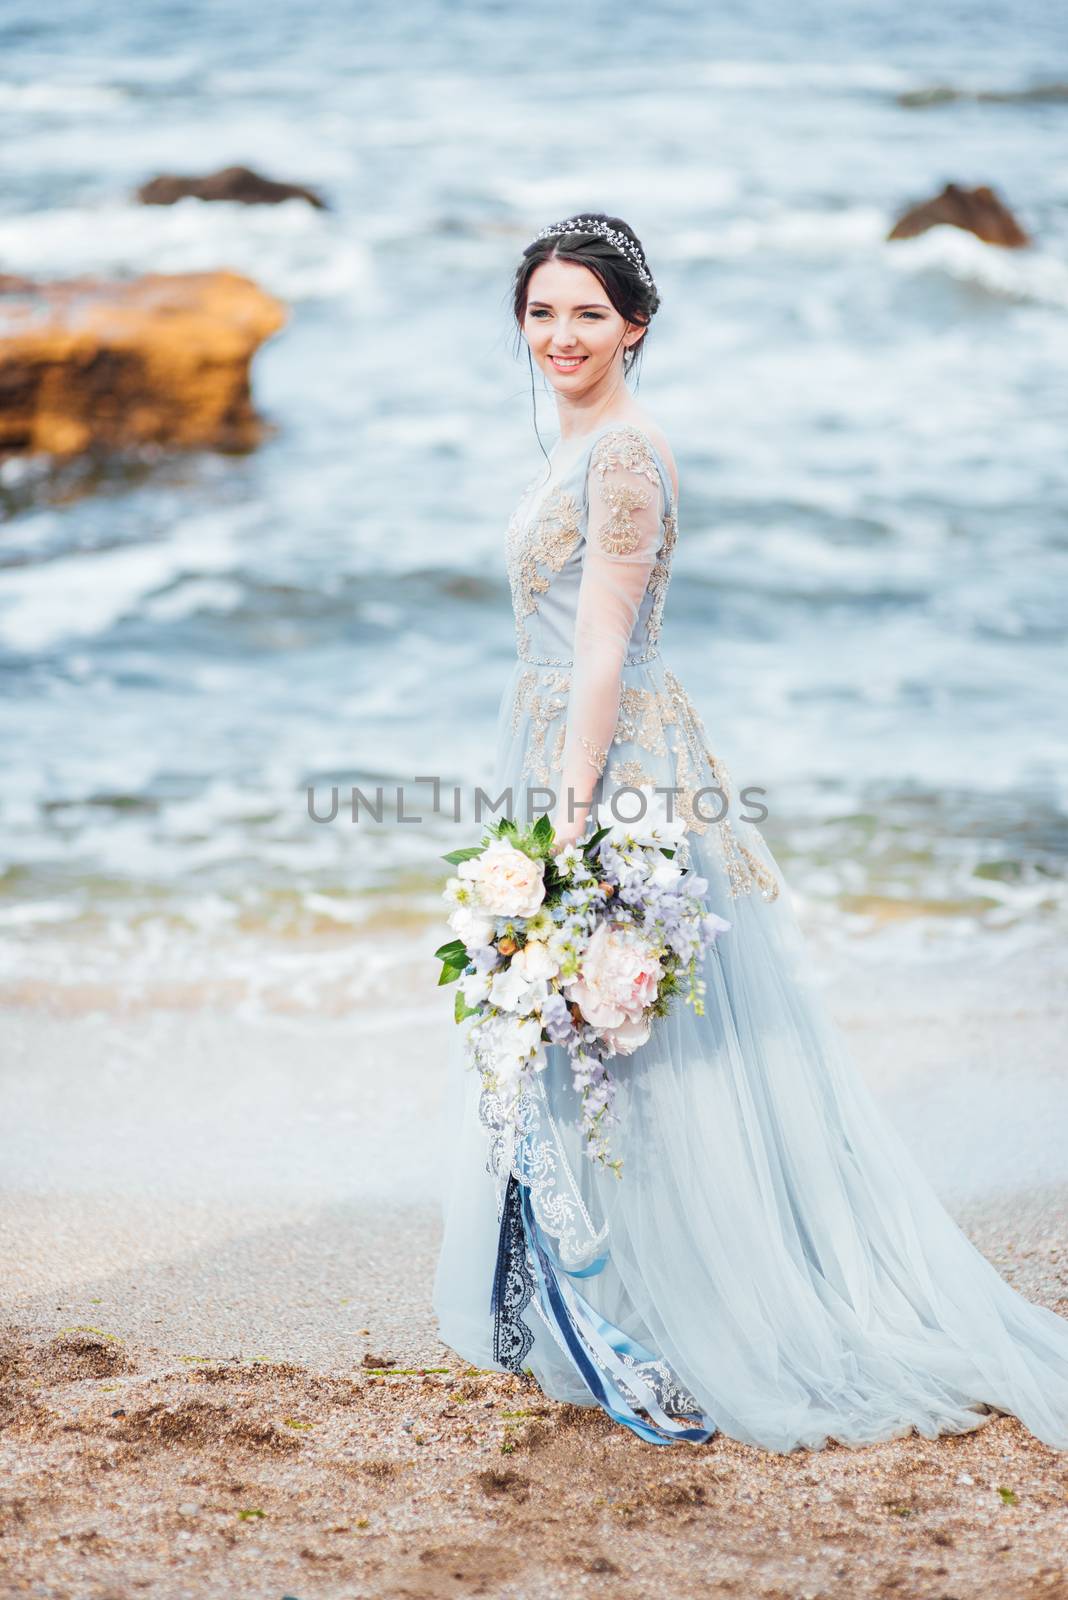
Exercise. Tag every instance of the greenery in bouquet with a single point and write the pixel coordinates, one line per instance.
(582, 948)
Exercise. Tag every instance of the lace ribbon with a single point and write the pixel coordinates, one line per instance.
(513, 1286)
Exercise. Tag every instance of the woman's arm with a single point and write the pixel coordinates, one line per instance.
(624, 531)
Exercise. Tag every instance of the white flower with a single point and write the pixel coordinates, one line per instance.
(475, 987)
(627, 1037)
(535, 960)
(510, 884)
(648, 831)
(568, 859)
(512, 990)
(508, 1048)
(665, 873)
(475, 931)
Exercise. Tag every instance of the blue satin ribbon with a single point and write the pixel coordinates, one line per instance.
(597, 1345)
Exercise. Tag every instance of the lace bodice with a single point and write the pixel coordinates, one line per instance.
(616, 500)
(589, 561)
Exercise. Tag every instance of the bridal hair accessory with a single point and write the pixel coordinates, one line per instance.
(625, 246)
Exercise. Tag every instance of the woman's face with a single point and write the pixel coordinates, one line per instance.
(575, 334)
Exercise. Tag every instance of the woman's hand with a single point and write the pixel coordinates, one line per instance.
(567, 833)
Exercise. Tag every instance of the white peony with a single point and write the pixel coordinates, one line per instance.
(510, 884)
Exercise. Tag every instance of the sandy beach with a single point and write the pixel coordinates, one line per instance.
(220, 1373)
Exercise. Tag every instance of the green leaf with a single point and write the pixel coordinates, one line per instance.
(595, 841)
(455, 947)
(461, 1008)
(1009, 1497)
(468, 853)
(251, 1511)
(450, 973)
(543, 831)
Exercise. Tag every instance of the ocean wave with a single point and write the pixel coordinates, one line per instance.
(1023, 277)
(788, 76)
(80, 596)
(794, 232)
(65, 99)
(291, 249)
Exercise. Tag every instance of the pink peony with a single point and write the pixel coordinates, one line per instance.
(617, 981)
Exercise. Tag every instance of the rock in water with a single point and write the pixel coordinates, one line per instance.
(162, 359)
(231, 183)
(979, 211)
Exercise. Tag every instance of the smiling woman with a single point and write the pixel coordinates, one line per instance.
(772, 1263)
(582, 301)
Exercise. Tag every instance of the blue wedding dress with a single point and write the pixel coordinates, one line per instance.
(772, 1263)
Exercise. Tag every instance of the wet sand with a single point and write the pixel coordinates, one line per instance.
(210, 1226)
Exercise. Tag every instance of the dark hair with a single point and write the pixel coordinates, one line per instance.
(634, 300)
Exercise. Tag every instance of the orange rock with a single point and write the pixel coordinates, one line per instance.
(979, 211)
(162, 359)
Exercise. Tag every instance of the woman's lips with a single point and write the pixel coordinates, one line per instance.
(568, 364)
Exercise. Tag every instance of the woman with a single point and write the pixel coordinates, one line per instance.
(772, 1263)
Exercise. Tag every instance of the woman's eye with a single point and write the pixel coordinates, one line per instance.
(597, 316)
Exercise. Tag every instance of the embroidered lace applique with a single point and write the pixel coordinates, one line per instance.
(661, 577)
(543, 700)
(631, 775)
(643, 716)
(620, 534)
(548, 542)
(744, 868)
(597, 756)
(625, 447)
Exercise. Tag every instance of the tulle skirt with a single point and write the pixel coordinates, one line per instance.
(772, 1253)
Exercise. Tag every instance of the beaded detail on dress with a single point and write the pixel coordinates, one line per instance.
(657, 737)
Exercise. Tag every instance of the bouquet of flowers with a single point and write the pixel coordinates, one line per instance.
(582, 949)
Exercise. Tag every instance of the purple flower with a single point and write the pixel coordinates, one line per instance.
(556, 1018)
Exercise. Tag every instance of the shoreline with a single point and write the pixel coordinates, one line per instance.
(208, 1221)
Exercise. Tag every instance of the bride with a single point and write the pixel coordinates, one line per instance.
(772, 1263)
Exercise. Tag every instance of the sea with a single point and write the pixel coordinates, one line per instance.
(870, 591)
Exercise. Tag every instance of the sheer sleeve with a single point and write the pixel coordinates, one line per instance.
(624, 531)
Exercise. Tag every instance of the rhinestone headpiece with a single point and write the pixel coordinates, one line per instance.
(620, 241)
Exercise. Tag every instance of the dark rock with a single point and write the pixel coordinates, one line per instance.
(979, 211)
(240, 184)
